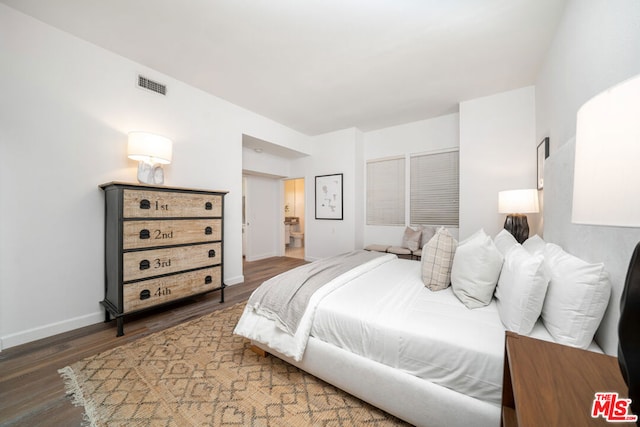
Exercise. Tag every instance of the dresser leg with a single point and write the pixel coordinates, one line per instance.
(120, 325)
(221, 295)
(107, 316)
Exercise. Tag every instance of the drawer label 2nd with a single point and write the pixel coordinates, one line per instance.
(147, 234)
(159, 234)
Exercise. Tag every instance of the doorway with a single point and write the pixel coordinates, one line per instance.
(294, 235)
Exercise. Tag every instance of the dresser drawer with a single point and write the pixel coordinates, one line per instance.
(151, 292)
(155, 262)
(148, 234)
(165, 204)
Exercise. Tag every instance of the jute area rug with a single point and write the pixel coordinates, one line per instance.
(200, 374)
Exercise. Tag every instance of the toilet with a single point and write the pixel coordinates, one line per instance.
(297, 239)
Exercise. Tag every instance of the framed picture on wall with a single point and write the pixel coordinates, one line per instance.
(543, 153)
(329, 196)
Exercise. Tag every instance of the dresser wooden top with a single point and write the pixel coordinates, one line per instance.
(156, 187)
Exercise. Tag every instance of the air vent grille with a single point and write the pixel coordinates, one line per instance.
(149, 84)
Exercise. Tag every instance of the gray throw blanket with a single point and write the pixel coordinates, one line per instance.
(284, 298)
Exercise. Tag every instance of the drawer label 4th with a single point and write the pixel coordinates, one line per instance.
(162, 292)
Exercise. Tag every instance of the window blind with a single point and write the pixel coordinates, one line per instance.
(386, 192)
(434, 189)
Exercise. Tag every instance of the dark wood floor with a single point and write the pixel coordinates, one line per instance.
(31, 391)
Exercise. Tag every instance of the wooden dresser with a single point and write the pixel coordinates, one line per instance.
(549, 384)
(162, 244)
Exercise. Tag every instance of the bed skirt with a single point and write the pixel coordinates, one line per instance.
(405, 396)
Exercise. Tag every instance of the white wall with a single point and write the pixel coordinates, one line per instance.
(65, 109)
(359, 199)
(597, 45)
(264, 164)
(497, 152)
(333, 153)
(411, 138)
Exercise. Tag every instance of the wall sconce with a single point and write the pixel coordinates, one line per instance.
(517, 203)
(605, 192)
(151, 151)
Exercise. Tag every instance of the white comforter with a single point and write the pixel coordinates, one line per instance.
(386, 314)
(392, 318)
(269, 332)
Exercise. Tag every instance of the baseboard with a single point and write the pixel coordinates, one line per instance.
(29, 335)
(259, 257)
(230, 281)
(49, 330)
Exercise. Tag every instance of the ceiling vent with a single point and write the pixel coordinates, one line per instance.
(148, 84)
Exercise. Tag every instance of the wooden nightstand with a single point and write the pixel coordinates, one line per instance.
(548, 384)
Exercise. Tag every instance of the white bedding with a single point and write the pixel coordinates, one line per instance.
(268, 331)
(387, 315)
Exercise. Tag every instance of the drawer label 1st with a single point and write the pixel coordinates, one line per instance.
(158, 204)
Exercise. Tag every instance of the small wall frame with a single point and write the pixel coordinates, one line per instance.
(329, 197)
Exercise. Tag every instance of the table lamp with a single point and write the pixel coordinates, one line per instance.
(605, 192)
(151, 151)
(517, 203)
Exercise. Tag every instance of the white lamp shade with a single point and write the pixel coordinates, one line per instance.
(149, 148)
(606, 187)
(518, 201)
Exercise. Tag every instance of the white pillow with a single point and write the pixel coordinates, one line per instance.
(411, 238)
(428, 231)
(534, 244)
(504, 241)
(576, 299)
(437, 257)
(521, 289)
(475, 270)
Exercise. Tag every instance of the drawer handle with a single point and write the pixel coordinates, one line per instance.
(146, 294)
(145, 234)
(145, 204)
(208, 231)
(145, 264)
(208, 206)
(208, 280)
(212, 253)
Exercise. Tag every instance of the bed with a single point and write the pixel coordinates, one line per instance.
(378, 333)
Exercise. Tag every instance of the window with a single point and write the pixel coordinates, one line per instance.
(434, 188)
(386, 191)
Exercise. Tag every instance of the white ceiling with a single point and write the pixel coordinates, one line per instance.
(323, 65)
